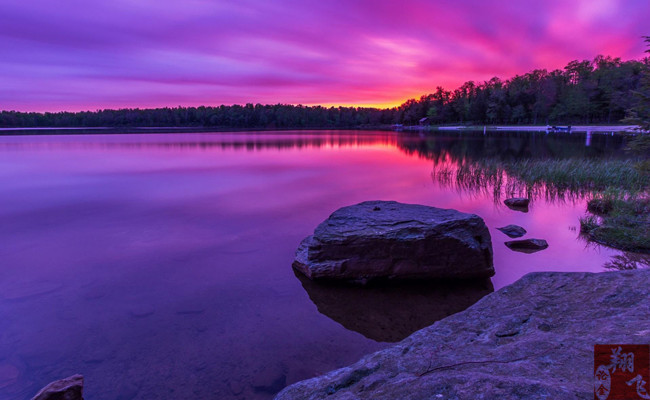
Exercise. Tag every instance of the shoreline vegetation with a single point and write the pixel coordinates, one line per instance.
(548, 178)
(618, 206)
(622, 223)
(608, 128)
(616, 190)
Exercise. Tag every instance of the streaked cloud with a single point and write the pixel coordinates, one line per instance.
(78, 55)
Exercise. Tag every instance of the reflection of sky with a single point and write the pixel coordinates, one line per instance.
(275, 176)
(80, 55)
(173, 263)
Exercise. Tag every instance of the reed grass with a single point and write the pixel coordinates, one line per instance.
(616, 190)
(578, 175)
(551, 179)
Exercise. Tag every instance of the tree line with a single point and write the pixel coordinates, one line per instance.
(604, 90)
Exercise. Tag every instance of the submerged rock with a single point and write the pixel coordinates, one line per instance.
(513, 231)
(389, 313)
(533, 339)
(517, 203)
(527, 245)
(70, 388)
(386, 239)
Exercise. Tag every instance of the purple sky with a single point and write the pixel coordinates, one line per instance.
(89, 54)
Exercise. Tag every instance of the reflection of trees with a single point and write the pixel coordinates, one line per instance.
(510, 146)
(458, 146)
(218, 141)
(556, 167)
(628, 261)
(534, 179)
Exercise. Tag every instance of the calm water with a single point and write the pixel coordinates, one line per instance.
(159, 266)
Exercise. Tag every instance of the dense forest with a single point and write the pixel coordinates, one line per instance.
(604, 90)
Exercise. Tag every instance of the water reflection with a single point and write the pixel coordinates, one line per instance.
(440, 147)
(159, 265)
(391, 312)
(510, 146)
(628, 261)
(247, 141)
(472, 162)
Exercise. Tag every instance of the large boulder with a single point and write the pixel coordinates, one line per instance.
(70, 388)
(386, 239)
(533, 339)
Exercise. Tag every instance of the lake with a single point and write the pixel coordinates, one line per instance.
(159, 265)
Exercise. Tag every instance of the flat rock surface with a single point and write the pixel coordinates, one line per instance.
(386, 239)
(533, 339)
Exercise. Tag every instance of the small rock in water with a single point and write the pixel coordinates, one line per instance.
(517, 203)
(70, 388)
(513, 231)
(527, 245)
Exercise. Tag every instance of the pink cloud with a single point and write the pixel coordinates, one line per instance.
(89, 54)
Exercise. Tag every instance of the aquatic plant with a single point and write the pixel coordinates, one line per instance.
(616, 191)
(552, 179)
(626, 226)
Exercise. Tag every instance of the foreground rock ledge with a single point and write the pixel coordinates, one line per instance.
(386, 239)
(531, 340)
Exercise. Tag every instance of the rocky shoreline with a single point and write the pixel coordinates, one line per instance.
(532, 339)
